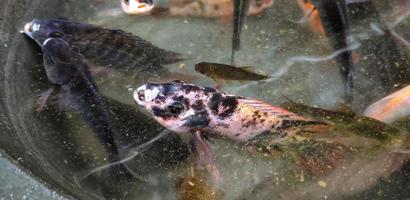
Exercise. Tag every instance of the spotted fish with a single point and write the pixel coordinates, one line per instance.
(184, 108)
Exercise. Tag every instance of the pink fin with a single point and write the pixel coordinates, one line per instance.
(43, 99)
(205, 157)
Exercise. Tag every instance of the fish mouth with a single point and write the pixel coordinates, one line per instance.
(28, 29)
(143, 94)
(144, 8)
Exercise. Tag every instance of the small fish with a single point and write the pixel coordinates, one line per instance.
(219, 72)
(107, 47)
(391, 108)
(136, 7)
(65, 67)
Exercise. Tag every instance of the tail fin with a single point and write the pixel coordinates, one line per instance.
(169, 57)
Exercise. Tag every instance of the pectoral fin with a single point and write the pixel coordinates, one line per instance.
(205, 157)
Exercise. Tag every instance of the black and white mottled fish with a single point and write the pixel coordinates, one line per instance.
(317, 140)
(108, 47)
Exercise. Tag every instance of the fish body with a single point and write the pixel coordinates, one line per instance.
(185, 107)
(315, 140)
(66, 68)
(391, 108)
(334, 17)
(239, 13)
(312, 16)
(108, 47)
(218, 71)
(194, 8)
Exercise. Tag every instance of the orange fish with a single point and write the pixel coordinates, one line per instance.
(312, 15)
(390, 108)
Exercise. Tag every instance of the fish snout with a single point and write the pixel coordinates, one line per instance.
(31, 28)
(146, 93)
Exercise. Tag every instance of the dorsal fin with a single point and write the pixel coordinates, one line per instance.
(248, 69)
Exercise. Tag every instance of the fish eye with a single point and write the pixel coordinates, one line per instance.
(55, 35)
(127, 2)
(176, 108)
(141, 95)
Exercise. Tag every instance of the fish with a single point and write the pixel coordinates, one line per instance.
(112, 48)
(66, 69)
(334, 17)
(222, 9)
(317, 140)
(135, 7)
(219, 72)
(240, 8)
(183, 108)
(390, 108)
(312, 16)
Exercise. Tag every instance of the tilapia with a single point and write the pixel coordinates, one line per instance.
(65, 67)
(315, 140)
(108, 47)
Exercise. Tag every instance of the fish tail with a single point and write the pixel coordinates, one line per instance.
(170, 57)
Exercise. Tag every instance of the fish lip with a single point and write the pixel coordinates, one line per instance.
(27, 29)
(150, 93)
(137, 92)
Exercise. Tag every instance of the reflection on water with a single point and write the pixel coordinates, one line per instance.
(300, 63)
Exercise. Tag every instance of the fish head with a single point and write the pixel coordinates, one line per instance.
(136, 7)
(41, 30)
(178, 106)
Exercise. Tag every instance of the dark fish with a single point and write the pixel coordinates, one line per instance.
(220, 72)
(239, 12)
(107, 47)
(333, 14)
(65, 67)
